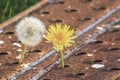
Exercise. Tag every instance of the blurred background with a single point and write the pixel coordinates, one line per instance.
(9, 8)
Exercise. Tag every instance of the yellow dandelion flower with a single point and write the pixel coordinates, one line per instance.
(60, 35)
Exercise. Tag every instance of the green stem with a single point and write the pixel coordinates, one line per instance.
(62, 59)
(3, 17)
(10, 12)
(7, 5)
(22, 54)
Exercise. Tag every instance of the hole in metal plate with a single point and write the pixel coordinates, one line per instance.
(71, 10)
(9, 33)
(16, 41)
(35, 51)
(81, 53)
(15, 63)
(114, 69)
(110, 49)
(45, 12)
(100, 8)
(19, 41)
(98, 41)
(55, 20)
(86, 0)
(47, 79)
(113, 49)
(78, 74)
(60, 2)
(116, 30)
(3, 53)
(85, 19)
(98, 60)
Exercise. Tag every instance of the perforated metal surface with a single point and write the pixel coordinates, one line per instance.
(79, 14)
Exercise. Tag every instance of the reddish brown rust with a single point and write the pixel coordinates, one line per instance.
(78, 20)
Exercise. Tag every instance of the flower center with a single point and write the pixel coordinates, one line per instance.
(30, 32)
(60, 38)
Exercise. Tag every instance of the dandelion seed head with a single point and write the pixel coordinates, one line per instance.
(30, 30)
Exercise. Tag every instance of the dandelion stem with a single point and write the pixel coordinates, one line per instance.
(62, 59)
(22, 54)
